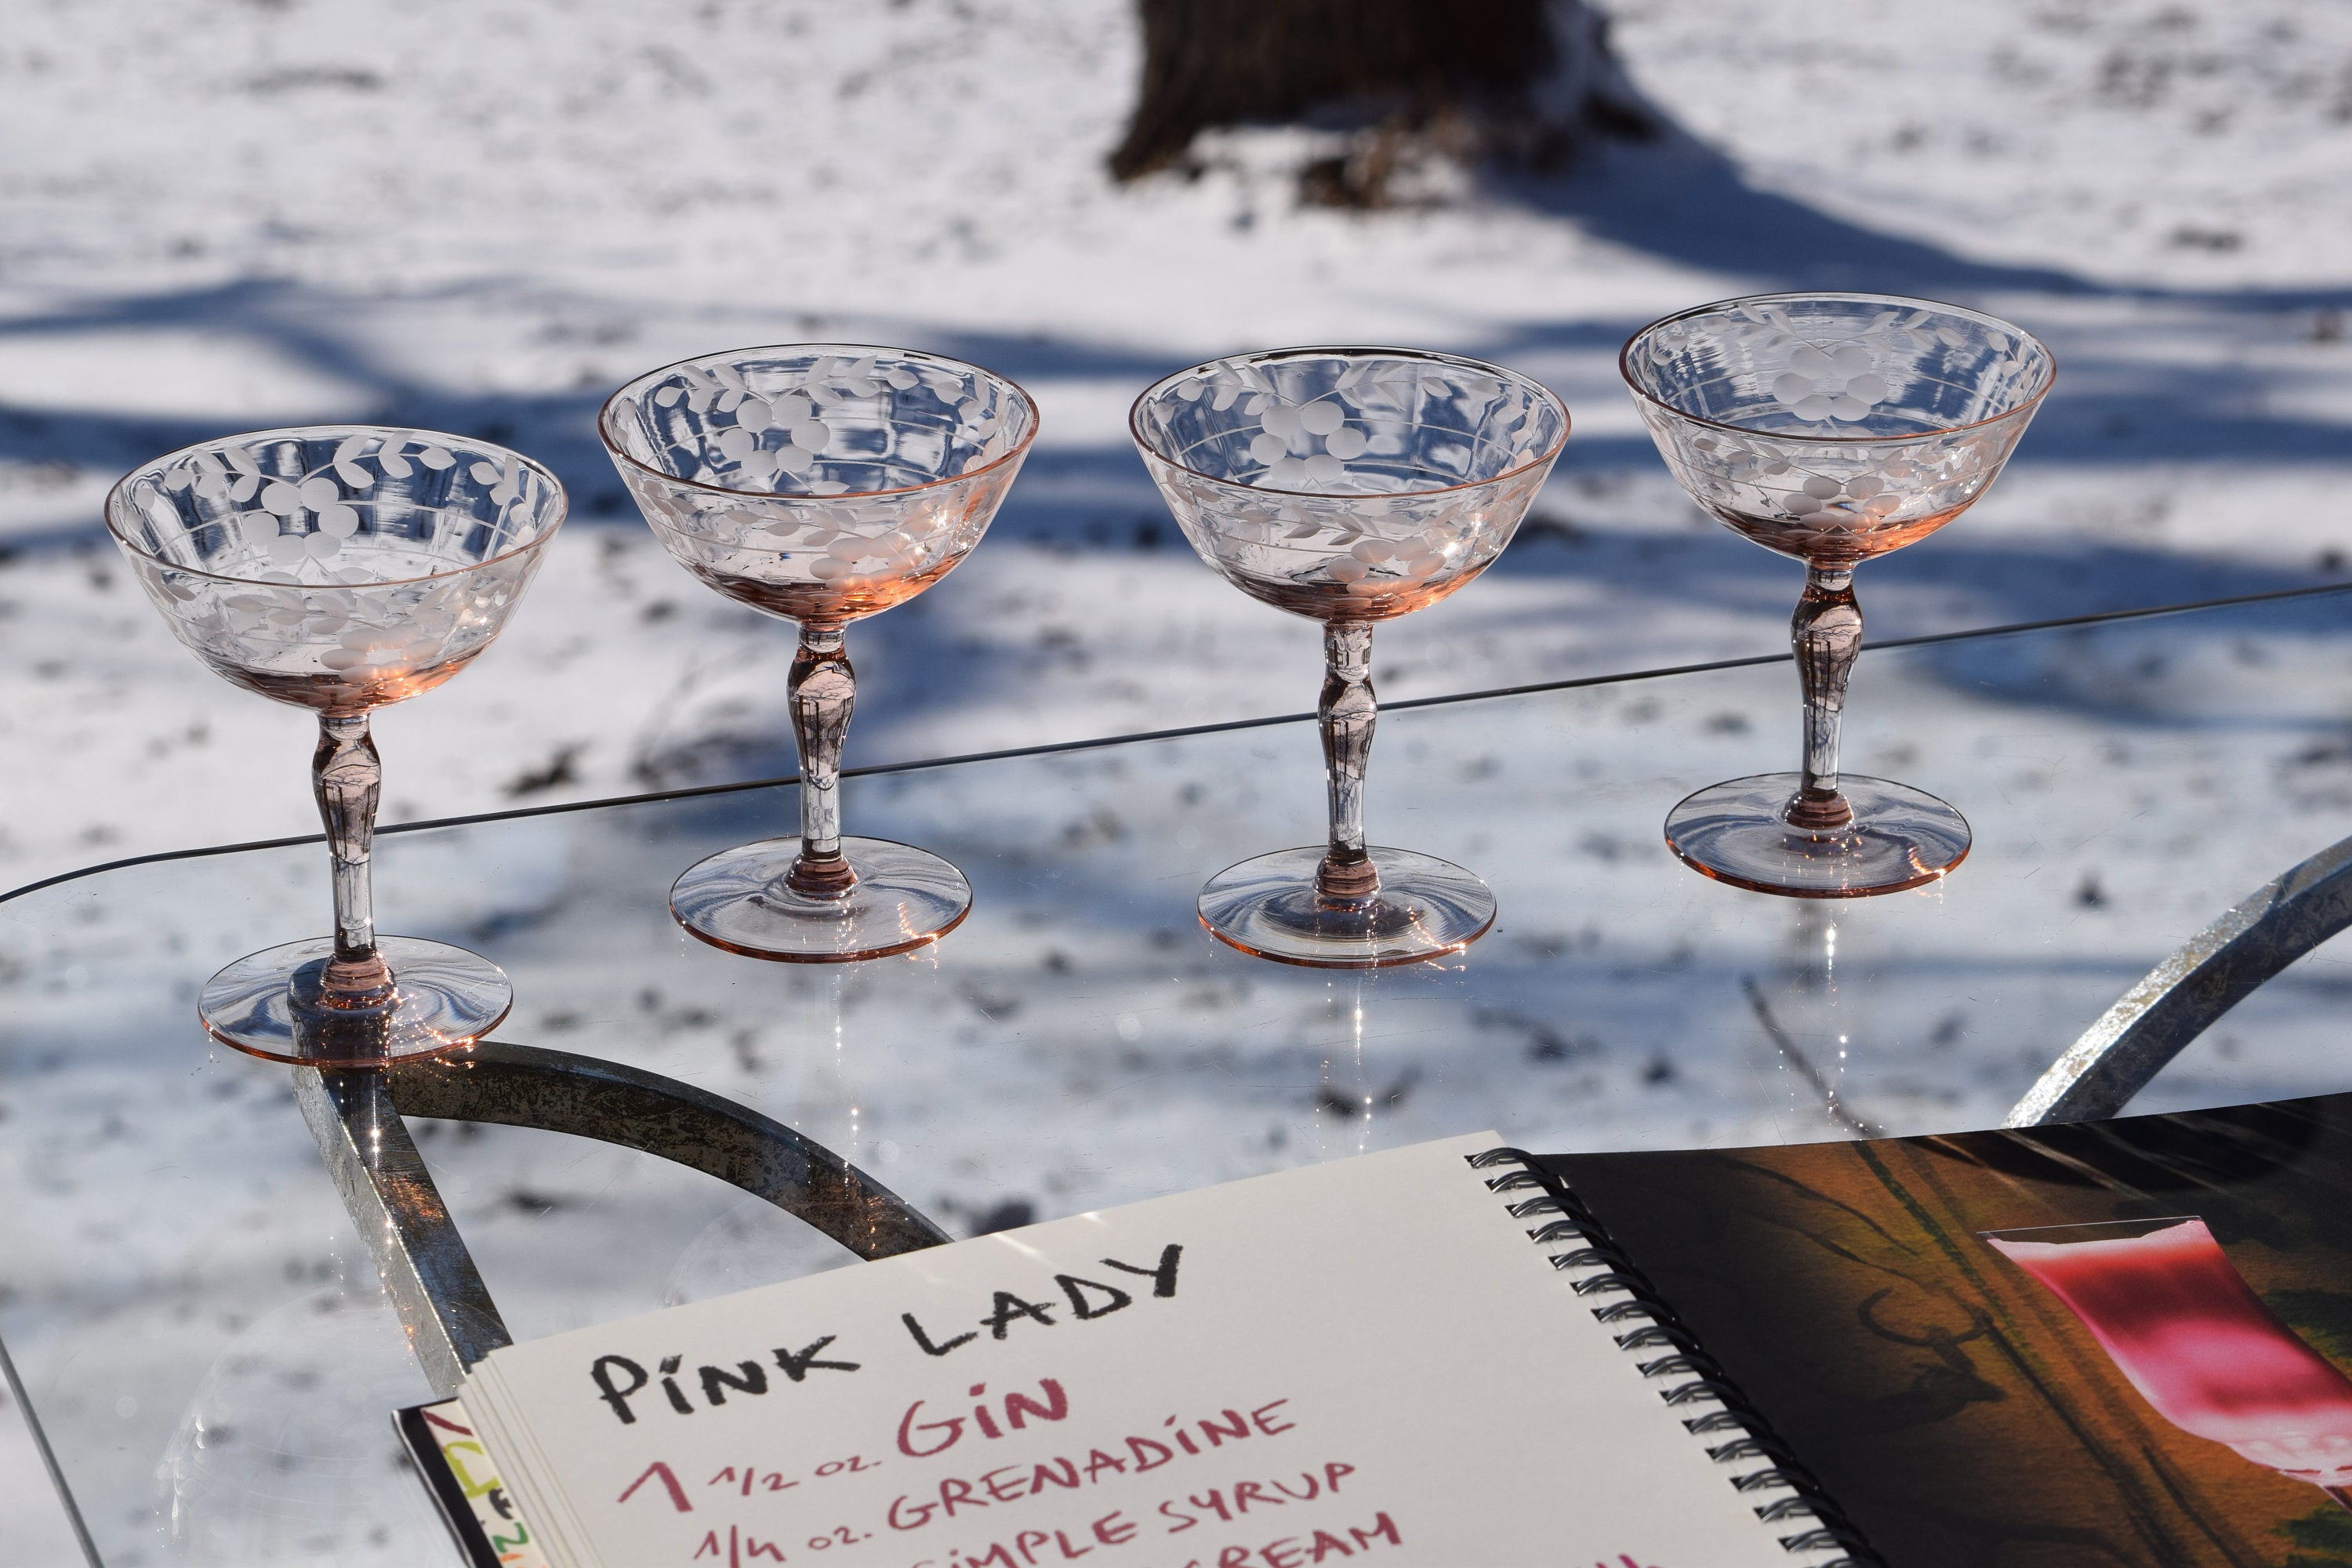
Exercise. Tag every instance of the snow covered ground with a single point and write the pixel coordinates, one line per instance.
(482, 215)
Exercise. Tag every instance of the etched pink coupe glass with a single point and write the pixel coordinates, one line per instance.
(339, 568)
(820, 483)
(2183, 1326)
(1351, 486)
(1830, 427)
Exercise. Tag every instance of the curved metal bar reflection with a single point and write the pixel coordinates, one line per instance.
(422, 1260)
(2217, 969)
(523, 1086)
(431, 1277)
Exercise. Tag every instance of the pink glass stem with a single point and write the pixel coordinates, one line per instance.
(1827, 634)
(347, 776)
(1347, 713)
(823, 693)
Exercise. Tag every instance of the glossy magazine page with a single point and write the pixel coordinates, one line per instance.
(2120, 1342)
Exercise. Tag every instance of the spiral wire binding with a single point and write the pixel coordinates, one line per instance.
(1699, 1380)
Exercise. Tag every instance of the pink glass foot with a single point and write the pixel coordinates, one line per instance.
(1268, 908)
(266, 1005)
(1899, 838)
(739, 899)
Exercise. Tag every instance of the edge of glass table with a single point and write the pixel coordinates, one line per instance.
(693, 791)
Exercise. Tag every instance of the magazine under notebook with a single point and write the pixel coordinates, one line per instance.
(1365, 1359)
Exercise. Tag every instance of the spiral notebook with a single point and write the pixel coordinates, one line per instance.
(1427, 1356)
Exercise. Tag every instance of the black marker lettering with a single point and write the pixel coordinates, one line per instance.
(1162, 1276)
(1010, 1307)
(796, 1367)
(716, 1380)
(924, 1340)
(618, 1398)
(1075, 1288)
(677, 1399)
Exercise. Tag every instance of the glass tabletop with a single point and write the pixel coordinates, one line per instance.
(200, 1333)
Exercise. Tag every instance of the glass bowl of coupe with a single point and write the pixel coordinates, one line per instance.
(820, 483)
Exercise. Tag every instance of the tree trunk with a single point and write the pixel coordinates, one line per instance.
(1528, 80)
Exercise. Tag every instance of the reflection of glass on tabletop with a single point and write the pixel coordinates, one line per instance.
(2177, 1318)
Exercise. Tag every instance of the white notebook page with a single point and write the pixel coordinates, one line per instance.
(1364, 1360)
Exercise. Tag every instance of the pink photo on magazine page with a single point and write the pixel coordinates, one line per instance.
(2181, 1323)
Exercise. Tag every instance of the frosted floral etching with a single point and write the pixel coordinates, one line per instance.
(1834, 427)
(252, 548)
(817, 423)
(817, 470)
(1382, 477)
(1328, 424)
